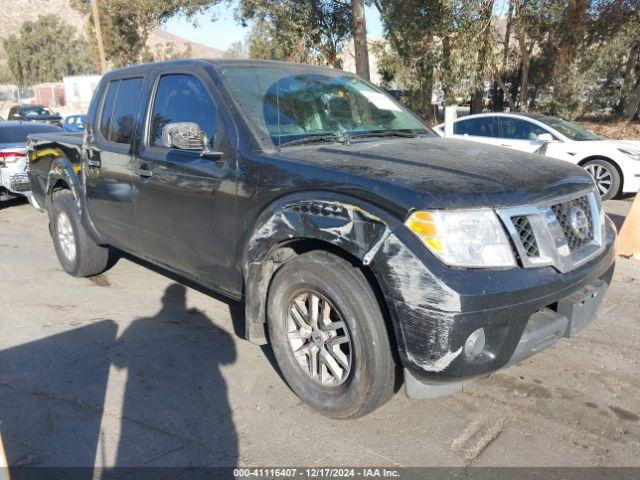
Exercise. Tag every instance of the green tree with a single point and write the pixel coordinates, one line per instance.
(45, 50)
(433, 42)
(298, 30)
(126, 24)
(565, 57)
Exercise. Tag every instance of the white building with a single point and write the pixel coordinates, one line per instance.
(78, 90)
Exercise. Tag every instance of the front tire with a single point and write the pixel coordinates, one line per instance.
(606, 177)
(77, 253)
(329, 337)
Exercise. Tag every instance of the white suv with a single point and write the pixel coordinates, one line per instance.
(614, 165)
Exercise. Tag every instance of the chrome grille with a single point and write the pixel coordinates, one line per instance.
(563, 212)
(528, 238)
(564, 233)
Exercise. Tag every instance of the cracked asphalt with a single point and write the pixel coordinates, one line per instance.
(133, 368)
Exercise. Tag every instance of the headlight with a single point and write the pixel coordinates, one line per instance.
(630, 153)
(463, 238)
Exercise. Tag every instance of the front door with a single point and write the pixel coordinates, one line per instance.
(107, 165)
(185, 201)
(519, 134)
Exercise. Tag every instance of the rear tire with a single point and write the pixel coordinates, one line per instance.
(77, 253)
(606, 177)
(353, 372)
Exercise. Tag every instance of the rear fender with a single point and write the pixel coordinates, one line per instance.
(67, 172)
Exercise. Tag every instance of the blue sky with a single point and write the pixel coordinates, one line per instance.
(224, 30)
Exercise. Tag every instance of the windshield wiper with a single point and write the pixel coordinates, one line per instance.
(385, 133)
(313, 139)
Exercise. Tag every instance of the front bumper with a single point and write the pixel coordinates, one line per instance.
(522, 311)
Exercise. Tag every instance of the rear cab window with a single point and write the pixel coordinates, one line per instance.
(120, 110)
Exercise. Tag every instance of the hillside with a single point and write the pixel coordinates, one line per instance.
(15, 12)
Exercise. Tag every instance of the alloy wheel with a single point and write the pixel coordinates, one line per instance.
(319, 339)
(66, 238)
(601, 176)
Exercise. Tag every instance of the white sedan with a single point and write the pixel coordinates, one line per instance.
(614, 165)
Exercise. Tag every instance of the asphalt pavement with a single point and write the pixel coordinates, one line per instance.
(133, 368)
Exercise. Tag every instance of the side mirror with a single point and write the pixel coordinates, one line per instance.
(184, 136)
(545, 137)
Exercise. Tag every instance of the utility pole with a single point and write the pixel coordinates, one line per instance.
(359, 30)
(96, 23)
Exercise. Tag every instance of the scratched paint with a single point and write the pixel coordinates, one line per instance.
(430, 306)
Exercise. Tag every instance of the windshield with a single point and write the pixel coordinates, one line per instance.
(569, 130)
(286, 104)
(36, 111)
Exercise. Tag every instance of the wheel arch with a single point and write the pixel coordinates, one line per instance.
(64, 174)
(344, 226)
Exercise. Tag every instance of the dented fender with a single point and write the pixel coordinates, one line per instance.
(346, 223)
(375, 238)
(63, 170)
(68, 171)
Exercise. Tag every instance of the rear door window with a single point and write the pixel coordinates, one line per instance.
(477, 127)
(120, 110)
(107, 108)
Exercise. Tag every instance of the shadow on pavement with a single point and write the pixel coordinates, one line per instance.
(618, 220)
(175, 410)
(14, 202)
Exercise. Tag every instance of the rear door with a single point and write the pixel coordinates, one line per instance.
(477, 129)
(108, 153)
(185, 202)
(519, 134)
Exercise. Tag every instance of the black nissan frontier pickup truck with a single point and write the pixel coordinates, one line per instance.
(366, 249)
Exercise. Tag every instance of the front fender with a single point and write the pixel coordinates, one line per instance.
(356, 227)
(420, 304)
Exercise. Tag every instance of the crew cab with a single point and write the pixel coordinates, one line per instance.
(366, 249)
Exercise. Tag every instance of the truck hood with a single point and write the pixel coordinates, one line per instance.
(434, 172)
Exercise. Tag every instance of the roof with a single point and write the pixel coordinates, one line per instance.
(217, 63)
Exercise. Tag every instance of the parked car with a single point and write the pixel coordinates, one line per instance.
(357, 239)
(74, 123)
(614, 165)
(34, 113)
(14, 171)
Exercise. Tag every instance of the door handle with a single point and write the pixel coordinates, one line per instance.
(144, 172)
(94, 162)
